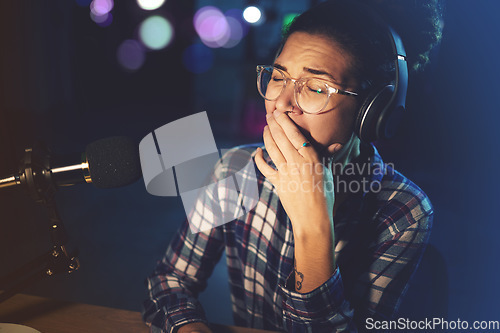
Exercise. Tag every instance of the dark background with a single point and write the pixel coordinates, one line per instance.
(61, 83)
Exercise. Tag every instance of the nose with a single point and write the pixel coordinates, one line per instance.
(286, 100)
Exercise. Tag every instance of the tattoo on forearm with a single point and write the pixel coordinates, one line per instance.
(300, 275)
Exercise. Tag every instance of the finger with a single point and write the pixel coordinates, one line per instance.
(287, 149)
(272, 149)
(294, 135)
(268, 171)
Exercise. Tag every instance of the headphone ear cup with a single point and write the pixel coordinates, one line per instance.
(368, 122)
(389, 122)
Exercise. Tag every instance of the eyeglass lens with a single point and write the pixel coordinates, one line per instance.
(311, 94)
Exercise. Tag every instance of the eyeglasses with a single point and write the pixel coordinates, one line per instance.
(312, 95)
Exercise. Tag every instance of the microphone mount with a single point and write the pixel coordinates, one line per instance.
(42, 173)
(35, 173)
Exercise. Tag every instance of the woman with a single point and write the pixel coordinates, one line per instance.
(312, 256)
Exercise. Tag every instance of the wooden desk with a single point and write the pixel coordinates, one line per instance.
(51, 316)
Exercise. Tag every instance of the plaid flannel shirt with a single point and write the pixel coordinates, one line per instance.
(380, 237)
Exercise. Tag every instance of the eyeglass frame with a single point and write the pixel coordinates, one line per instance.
(330, 90)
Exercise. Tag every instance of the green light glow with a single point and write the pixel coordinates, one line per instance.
(156, 32)
(288, 18)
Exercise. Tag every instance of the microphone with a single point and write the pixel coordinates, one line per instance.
(106, 163)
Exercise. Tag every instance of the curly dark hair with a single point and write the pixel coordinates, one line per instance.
(418, 22)
(358, 29)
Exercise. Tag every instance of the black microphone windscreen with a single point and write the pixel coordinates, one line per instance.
(113, 162)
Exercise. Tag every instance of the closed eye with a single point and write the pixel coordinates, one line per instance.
(318, 91)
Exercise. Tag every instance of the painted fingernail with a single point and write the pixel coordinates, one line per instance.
(268, 115)
(277, 114)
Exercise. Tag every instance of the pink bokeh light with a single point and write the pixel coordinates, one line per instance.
(213, 27)
(101, 7)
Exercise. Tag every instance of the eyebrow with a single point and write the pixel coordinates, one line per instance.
(312, 71)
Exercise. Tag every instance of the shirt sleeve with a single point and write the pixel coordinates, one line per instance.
(191, 257)
(178, 279)
(325, 309)
(402, 228)
(188, 263)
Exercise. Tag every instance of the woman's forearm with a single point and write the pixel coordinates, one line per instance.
(314, 255)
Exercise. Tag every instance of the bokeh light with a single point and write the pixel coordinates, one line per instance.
(212, 27)
(218, 30)
(252, 14)
(156, 32)
(235, 32)
(198, 58)
(102, 20)
(150, 4)
(237, 14)
(131, 55)
(101, 7)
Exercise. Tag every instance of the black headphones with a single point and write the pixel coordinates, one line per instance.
(383, 109)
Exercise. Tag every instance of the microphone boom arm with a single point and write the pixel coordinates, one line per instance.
(35, 173)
